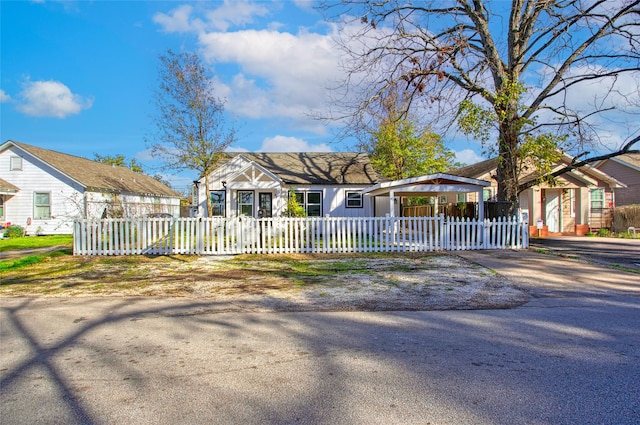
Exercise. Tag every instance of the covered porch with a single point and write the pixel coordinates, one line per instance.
(385, 197)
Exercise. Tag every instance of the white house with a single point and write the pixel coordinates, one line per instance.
(258, 184)
(45, 191)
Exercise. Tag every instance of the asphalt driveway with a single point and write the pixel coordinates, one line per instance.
(608, 251)
(570, 355)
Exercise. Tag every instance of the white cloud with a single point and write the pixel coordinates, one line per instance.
(230, 13)
(51, 99)
(281, 74)
(178, 20)
(4, 97)
(291, 144)
(237, 13)
(467, 156)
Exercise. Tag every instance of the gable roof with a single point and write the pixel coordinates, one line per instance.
(476, 170)
(96, 176)
(631, 160)
(7, 188)
(316, 167)
(481, 168)
(431, 183)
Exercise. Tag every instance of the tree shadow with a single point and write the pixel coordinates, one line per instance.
(528, 365)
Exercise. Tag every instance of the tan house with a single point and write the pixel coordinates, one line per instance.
(626, 169)
(44, 191)
(581, 201)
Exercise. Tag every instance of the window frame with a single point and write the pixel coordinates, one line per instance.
(490, 192)
(600, 209)
(16, 163)
(36, 206)
(241, 204)
(304, 197)
(219, 206)
(350, 202)
(461, 197)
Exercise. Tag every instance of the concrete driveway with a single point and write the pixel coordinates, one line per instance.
(571, 355)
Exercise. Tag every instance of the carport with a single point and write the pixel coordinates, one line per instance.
(429, 185)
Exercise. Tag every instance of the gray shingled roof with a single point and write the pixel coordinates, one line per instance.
(476, 170)
(96, 176)
(317, 167)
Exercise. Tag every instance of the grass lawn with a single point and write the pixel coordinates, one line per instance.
(29, 242)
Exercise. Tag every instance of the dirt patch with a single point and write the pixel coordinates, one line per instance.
(281, 283)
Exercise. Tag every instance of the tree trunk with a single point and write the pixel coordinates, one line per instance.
(507, 169)
(208, 195)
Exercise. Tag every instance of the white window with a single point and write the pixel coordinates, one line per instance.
(245, 203)
(42, 205)
(442, 199)
(487, 194)
(1, 207)
(354, 200)
(462, 197)
(597, 200)
(15, 163)
(311, 202)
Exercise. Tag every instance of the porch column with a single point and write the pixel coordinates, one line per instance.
(480, 198)
(582, 205)
(391, 208)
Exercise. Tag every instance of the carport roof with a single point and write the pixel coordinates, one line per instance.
(432, 183)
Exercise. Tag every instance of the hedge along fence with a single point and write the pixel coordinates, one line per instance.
(625, 217)
(221, 236)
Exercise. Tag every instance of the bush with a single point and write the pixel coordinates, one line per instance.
(294, 209)
(14, 231)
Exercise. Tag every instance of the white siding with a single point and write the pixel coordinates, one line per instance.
(65, 195)
(68, 200)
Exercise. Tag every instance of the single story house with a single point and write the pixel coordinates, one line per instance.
(44, 191)
(625, 168)
(258, 184)
(336, 184)
(582, 200)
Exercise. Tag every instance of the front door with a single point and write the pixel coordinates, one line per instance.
(265, 205)
(553, 209)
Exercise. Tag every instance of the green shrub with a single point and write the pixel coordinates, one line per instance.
(602, 232)
(14, 231)
(294, 209)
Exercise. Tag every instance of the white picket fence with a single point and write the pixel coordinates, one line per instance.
(245, 235)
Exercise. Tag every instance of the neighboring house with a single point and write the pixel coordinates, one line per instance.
(582, 199)
(625, 168)
(258, 184)
(45, 191)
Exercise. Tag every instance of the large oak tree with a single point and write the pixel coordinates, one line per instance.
(506, 73)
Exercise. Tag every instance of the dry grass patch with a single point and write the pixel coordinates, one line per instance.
(276, 282)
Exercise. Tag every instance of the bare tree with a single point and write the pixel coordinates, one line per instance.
(191, 131)
(507, 73)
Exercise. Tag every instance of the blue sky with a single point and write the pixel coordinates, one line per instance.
(78, 76)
